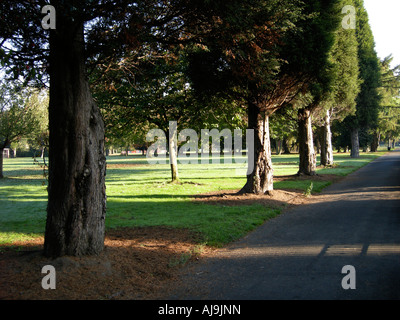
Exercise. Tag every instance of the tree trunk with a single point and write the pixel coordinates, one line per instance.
(279, 143)
(1, 163)
(77, 165)
(285, 147)
(355, 144)
(173, 150)
(375, 141)
(307, 164)
(260, 180)
(326, 142)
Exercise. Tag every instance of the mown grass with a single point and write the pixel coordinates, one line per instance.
(139, 194)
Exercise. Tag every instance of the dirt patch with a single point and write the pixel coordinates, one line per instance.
(135, 264)
(280, 198)
(124, 165)
(277, 199)
(318, 177)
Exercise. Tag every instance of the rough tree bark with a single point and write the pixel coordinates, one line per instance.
(260, 180)
(77, 165)
(326, 141)
(307, 164)
(355, 144)
(375, 141)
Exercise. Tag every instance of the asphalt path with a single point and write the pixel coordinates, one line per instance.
(300, 255)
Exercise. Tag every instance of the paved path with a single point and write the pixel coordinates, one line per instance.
(301, 253)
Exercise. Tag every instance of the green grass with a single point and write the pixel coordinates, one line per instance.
(140, 195)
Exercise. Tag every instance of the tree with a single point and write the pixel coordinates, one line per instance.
(17, 117)
(345, 88)
(38, 139)
(311, 51)
(389, 110)
(284, 128)
(87, 33)
(242, 60)
(236, 63)
(368, 98)
(154, 93)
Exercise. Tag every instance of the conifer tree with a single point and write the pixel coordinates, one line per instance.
(368, 100)
(77, 36)
(311, 50)
(341, 100)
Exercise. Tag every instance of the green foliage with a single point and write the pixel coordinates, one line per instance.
(17, 114)
(309, 189)
(307, 50)
(389, 111)
(341, 99)
(283, 124)
(368, 100)
(154, 93)
(242, 54)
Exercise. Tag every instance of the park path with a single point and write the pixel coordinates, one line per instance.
(301, 253)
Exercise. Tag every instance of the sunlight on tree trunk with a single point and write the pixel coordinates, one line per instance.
(173, 151)
(260, 181)
(326, 142)
(306, 145)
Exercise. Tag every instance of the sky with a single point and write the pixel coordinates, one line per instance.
(384, 19)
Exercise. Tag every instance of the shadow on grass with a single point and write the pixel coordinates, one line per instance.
(136, 263)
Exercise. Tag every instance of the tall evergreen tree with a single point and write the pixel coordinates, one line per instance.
(389, 110)
(341, 100)
(269, 66)
(241, 59)
(86, 33)
(311, 51)
(368, 99)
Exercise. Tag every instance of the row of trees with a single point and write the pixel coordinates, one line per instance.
(197, 62)
(246, 70)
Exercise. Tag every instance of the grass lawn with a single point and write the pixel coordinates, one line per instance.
(138, 194)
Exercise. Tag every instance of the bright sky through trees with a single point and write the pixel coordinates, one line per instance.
(385, 24)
